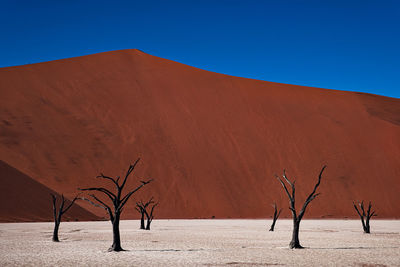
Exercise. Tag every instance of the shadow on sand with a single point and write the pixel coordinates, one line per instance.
(171, 249)
(354, 248)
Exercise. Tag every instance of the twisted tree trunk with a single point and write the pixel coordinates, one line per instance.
(55, 231)
(57, 214)
(116, 245)
(150, 216)
(365, 216)
(148, 225)
(276, 216)
(141, 208)
(142, 221)
(295, 243)
(118, 202)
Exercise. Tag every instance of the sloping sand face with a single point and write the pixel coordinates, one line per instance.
(203, 243)
(212, 142)
(33, 201)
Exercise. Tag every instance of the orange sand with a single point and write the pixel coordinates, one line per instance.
(212, 142)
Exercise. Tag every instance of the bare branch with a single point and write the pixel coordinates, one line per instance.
(107, 208)
(150, 216)
(285, 177)
(118, 201)
(130, 169)
(101, 189)
(313, 194)
(279, 213)
(70, 205)
(142, 206)
(284, 186)
(138, 209)
(355, 207)
(369, 208)
(291, 185)
(362, 208)
(318, 183)
(312, 198)
(275, 209)
(127, 196)
(149, 202)
(296, 219)
(152, 209)
(61, 205)
(93, 203)
(115, 181)
(101, 202)
(54, 199)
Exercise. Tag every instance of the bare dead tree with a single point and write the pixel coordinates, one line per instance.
(276, 216)
(295, 243)
(57, 214)
(150, 216)
(118, 202)
(365, 216)
(141, 208)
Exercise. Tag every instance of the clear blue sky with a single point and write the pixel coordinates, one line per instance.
(346, 45)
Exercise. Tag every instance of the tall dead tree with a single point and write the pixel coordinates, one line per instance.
(276, 216)
(141, 208)
(118, 202)
(365, 216)
(295, 243)
(150, 216)
(57, 214)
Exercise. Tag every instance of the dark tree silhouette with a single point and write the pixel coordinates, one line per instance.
(150, 216)
(141, 208)
(118, 202)
(276, 216)
(365, 216)
(295, 243)
(59, 213)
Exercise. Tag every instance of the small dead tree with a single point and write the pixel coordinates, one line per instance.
(141, 208)
(365, 216)
(57, 214)
(118, 202)
(295, 243)
(276, 216)
(150, 216)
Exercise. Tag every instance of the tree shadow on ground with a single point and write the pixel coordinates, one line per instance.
(171, 249)
(353, 248)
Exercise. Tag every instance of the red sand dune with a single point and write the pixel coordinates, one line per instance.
(24, 199)
(212, 142)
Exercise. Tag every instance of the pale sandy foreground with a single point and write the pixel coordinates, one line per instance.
(202, 243)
